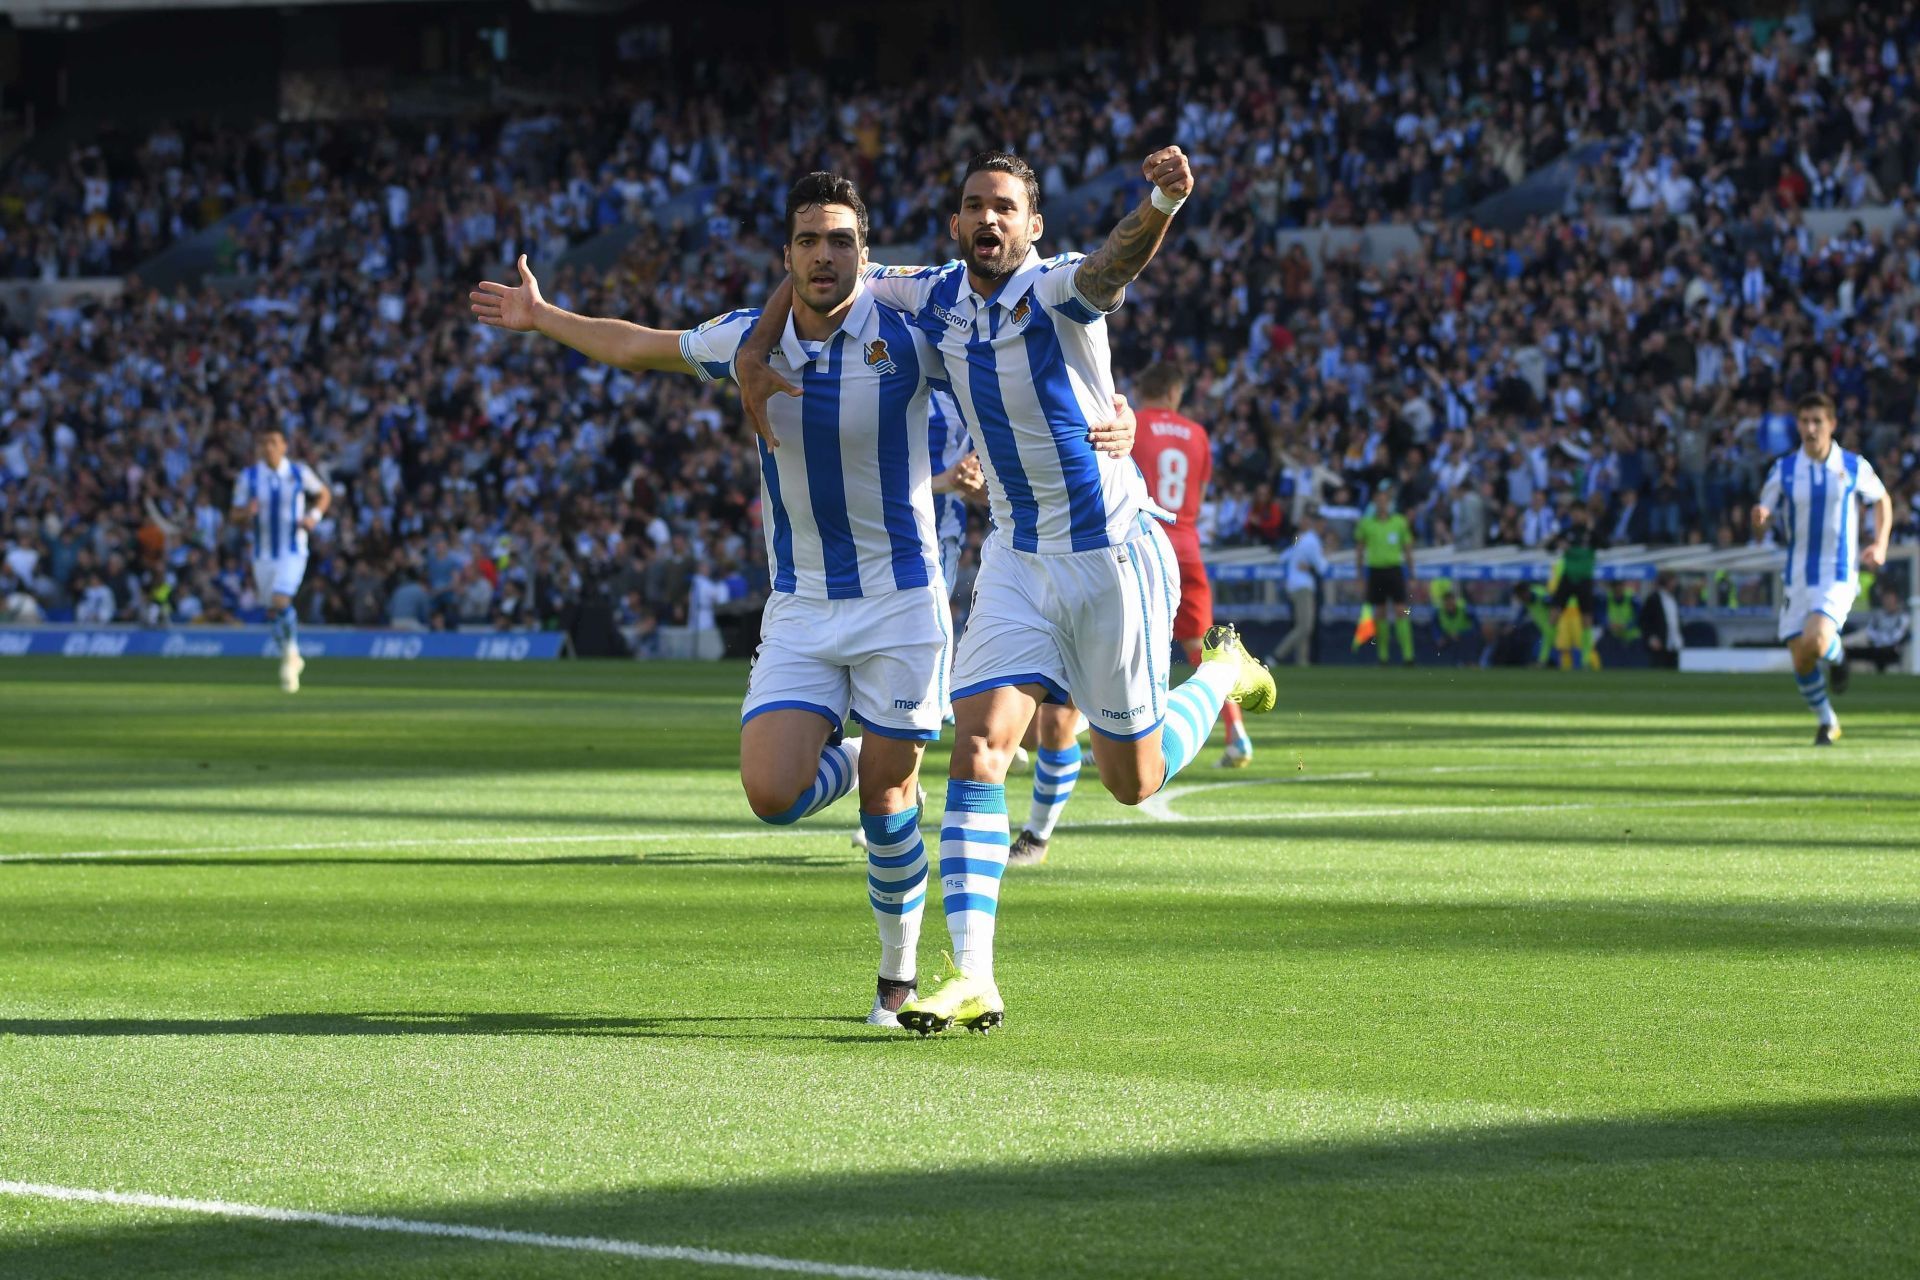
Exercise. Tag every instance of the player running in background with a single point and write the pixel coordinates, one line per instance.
(1075, 595)
(857, 625)
(1383, 550)
(273, 494)
(1817, 492)
(1174, 455)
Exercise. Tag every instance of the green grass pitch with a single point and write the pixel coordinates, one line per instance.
(1490, 974)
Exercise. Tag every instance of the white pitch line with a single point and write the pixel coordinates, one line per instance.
(1420, 810)
(488, 1235)
(421, 842)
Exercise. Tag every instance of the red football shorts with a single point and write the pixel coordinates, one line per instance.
(1195, 614)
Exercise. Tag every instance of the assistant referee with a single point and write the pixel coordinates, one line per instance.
(1383, 543)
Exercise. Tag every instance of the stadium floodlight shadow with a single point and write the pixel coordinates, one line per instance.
(1804, 1189)
(430, 1022)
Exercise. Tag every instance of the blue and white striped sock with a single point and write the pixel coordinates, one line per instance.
(1191, 711)
(973, 857)
(1813, 687)
(286, 629)
(839, 770)
(897, 887)
(1834, 652)
(1053, 779)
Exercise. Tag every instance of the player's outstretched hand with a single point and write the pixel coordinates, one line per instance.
(1169, 170)
(1114, 437)
(506, 306)
(1870, 558)
(759, 384)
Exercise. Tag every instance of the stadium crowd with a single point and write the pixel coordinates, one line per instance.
(1634, 352)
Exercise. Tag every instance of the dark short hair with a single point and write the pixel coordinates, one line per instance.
(1815, 400)
(821, 188)
(1004, 162)
(271, 429)
(1160, 380)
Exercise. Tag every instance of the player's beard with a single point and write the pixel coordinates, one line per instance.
(842, 288)
(1001, 262)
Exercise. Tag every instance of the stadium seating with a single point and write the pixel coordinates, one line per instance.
(1637, 322)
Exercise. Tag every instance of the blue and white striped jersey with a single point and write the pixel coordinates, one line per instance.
(282, 495)
(1030, 369)
(947, 443)
(847, 499)
(1816, 508)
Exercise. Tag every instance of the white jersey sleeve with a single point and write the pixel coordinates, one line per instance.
(903, 288)
(310, 481)
(709, 350)
(243, 488)
(1059, 289)
(1770, 490)
(1869, 487)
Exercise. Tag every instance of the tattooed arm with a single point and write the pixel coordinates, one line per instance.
(1104, 274)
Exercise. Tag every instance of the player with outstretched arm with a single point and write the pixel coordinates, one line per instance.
(1077, 587)
(857, 626)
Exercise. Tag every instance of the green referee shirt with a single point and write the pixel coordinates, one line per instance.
(1386, 541)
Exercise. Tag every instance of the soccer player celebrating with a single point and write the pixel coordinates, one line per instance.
(1383, 548)
(1174, 454)
(1817, 491)
(1076, 590)
(857, 625)
(273, 494)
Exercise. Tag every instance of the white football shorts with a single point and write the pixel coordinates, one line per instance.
(1835, 599)
(881, 661)
(1096, 626)
(277, 576)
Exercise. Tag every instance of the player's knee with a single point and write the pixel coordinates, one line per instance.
(1131, 787)
(977, 759)
(778, 806)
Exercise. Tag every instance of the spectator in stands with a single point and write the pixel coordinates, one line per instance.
(1885, 635)
(1568, 355)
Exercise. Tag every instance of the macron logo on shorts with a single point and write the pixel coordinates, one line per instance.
(906, 704)
(1128, 714)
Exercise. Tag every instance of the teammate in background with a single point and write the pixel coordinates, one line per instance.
(1818, 491)
(1383, 554)
(1174, 454)
(857, 623)
(273, 494)
(1306, 564)
(1075, 592)
(957, 479)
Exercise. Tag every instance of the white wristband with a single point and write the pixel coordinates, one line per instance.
(1165, 203)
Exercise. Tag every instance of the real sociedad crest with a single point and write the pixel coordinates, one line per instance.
(877, 358)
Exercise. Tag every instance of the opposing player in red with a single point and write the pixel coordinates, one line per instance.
(1176, 457)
